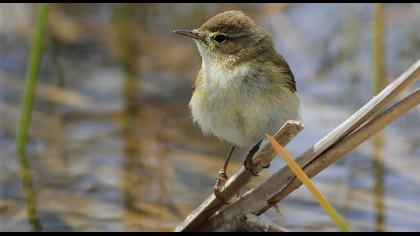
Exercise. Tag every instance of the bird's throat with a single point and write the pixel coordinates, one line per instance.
(221, 70)
(219, 75)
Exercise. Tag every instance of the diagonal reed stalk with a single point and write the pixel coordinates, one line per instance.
(34, 65)
(300, 174)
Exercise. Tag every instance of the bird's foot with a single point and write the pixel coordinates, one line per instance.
(220, 184)
(266, 166)
(248, 161)
(248, 165)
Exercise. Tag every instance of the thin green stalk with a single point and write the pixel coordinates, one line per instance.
(379, 48)
(33, 69)
(378, 139)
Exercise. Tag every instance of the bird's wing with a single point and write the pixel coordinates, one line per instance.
(287, 73)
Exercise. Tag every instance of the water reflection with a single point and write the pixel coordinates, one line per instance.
(379, 183)
(378, 139)
(123, 25)
(112, 141)
(29, 192)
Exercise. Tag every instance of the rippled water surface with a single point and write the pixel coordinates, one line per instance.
(112, 145)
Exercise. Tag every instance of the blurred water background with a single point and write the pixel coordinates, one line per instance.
(112, 145)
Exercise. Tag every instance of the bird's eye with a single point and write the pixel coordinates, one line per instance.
(220, 38)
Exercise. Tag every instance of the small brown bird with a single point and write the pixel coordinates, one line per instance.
(244, 88)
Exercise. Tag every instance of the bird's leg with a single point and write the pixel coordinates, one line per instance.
(222, 177)
(248, 161)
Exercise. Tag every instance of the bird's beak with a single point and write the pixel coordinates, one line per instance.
(194, 34)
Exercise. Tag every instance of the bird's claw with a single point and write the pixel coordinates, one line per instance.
(266, 166)
(220, 184)
(250, 166)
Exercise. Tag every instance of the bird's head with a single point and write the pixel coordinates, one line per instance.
(228, 38)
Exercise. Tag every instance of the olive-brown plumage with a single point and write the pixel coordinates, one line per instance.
(244, 87)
